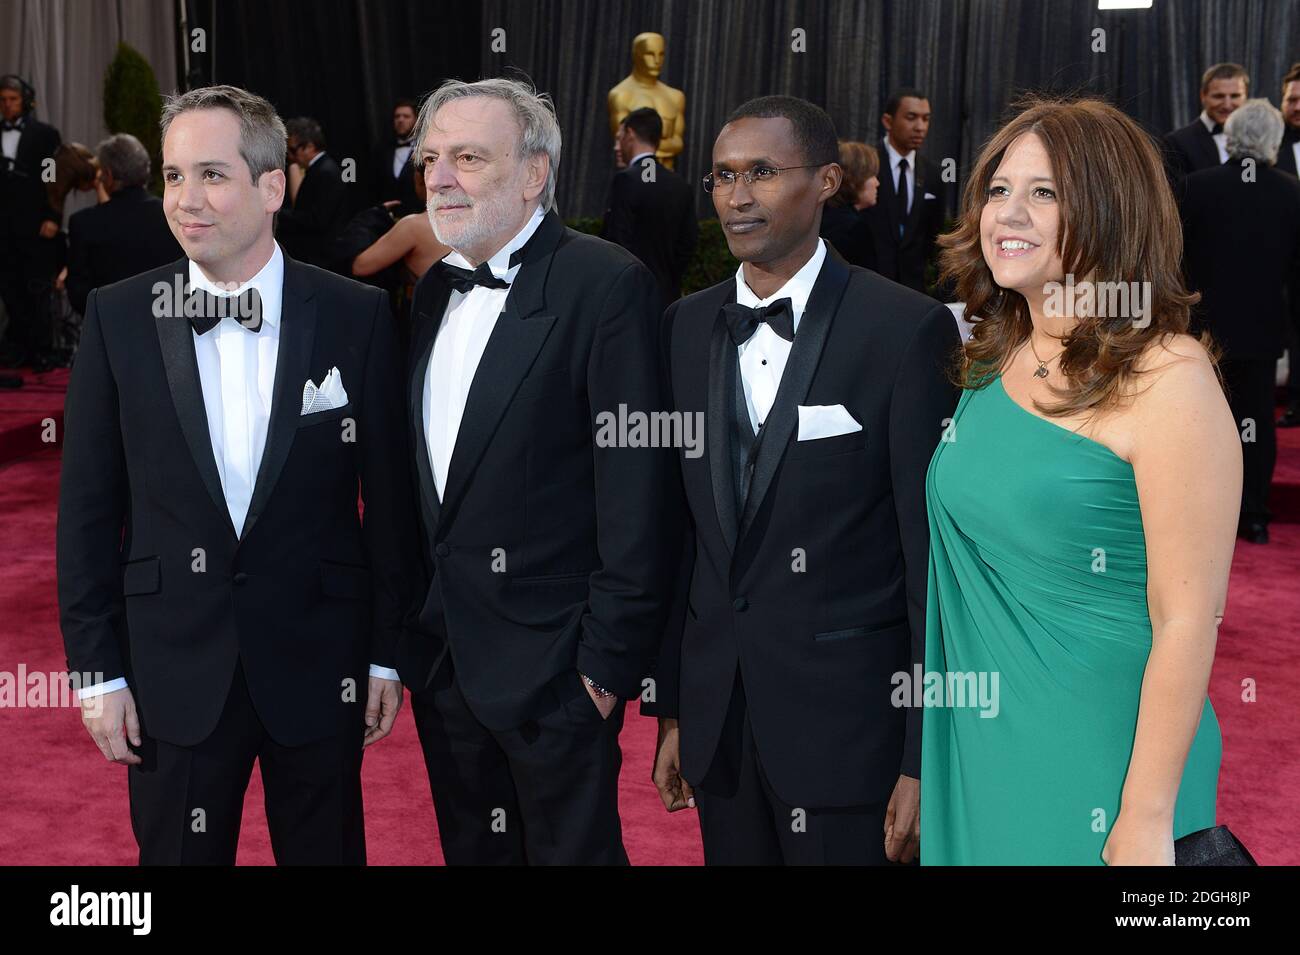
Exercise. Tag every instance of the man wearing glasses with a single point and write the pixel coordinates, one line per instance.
(824, 394)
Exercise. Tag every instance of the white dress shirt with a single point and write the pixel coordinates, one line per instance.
(401, 154)
(9, 140)
(763, 357)
(1220, 139)
(462, 337)
(237, 375)
(894, 158)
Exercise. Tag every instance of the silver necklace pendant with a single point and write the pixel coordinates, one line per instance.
(1042, 370)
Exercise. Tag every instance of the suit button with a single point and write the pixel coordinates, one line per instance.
(240, 577)
(442, 550)
(740, 604)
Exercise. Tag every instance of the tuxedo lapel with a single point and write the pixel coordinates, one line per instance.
(805, 353)
(292, 368)
(425, 332)
(723, 370)
(1208, 149)
(517, 337)
(182, 369)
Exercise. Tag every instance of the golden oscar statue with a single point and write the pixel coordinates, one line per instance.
(642, 88)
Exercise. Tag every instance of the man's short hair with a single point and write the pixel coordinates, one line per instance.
(1254, 131)
(406, 102)
(539, 130)
(646, 124)
(896, 99)
(126, 158)
(261, 131)
(1224, 71)
(1292, 75)
(306, 130)
(814, 131)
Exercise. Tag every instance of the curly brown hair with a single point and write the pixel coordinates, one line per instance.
(859, 162)
(1119, 223)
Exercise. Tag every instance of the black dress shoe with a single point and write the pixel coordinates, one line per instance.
(1254, 532)
(1290, 418)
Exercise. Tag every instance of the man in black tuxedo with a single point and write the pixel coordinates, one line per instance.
(651, 210)
(548, 534)
(28, 223)
(824, 391)
(320, 207)
(1202, 143)
(391, 176)
(1288, 160)
(126, 235)
(908, 215)
(216, 586)
(1242, 278)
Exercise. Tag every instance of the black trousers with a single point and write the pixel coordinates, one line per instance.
(544, 793)
(1251, 389)
(187, 801)
(27, 270)
(744, 822)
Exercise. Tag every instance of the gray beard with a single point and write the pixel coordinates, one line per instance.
(489, 217)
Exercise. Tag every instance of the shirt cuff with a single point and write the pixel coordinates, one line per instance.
(384, 673)
(106, 687)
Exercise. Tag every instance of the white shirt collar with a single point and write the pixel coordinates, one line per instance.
(269, 282)
(311, 162)
(895, 156)
(1209, 123)
(639, 156)
(500, 261)
(797, 288)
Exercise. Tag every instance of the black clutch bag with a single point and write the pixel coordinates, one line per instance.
(1217, 846)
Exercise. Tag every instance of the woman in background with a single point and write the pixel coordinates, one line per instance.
(842, 223)
(1083, 506)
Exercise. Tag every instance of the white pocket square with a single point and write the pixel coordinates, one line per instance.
(328, 396)
(825, 421)
(929, 195)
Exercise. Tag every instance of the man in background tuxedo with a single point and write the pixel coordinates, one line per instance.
(216, 584)
(824, 391)
(1242, 280)
(126, 235)
(908, 215)
(391, 178)
(28, 223)
(1288, 160)
(548, 538)
(1202, 143)
(651, 210)
(319, 197)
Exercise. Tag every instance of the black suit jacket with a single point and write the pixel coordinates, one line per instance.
(817, 648)
(1241, 249)
(549, 552)
(905, 258)
(1190, 149)
(153, 583)
(385, 186)
(26, 202)
(849, 232)
(117, 239)
(655, 221)
(307, 230)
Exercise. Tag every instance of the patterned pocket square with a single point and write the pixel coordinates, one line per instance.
(328, 396)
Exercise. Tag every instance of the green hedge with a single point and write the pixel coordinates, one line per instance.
(712, 263)
(132, 104)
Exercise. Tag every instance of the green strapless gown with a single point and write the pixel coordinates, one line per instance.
(1037, 574)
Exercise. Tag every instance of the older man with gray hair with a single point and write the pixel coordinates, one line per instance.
(548, 539)
(124, 236)
(1241, 224)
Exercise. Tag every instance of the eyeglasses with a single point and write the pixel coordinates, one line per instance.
(724, 181)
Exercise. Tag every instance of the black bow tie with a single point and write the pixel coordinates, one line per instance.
(463, 280)
(205, 310)
(7, 126)
(743, 321)
(1218, 128)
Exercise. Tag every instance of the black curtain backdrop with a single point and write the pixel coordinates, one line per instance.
(971, 56)
(344, 61)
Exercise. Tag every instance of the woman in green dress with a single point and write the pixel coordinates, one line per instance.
(1083, 504)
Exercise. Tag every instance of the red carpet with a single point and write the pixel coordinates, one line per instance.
(62, 804)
